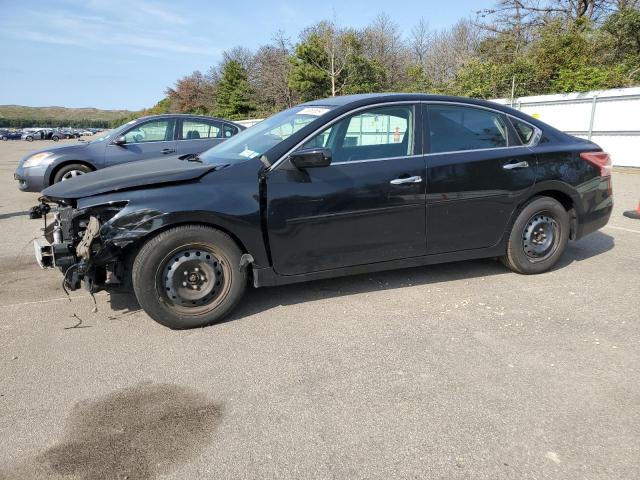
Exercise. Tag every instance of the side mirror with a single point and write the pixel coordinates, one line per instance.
(311, 158)
(121, 140)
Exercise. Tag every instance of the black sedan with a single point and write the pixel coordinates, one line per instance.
(333, 187)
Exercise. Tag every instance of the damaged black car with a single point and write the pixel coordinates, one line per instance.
(333, 187)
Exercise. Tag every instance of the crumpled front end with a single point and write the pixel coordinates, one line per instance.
(79, 241)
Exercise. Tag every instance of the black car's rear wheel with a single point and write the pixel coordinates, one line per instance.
(538, 237)
(189, 276)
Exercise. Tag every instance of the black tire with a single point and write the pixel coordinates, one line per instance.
(55, 138)
(5, 138)
(29, 139)
(168, 299)
(67, 170)
(538, 237)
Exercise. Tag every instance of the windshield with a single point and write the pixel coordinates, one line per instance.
(106, 135)
(111, 133)
(256, 140)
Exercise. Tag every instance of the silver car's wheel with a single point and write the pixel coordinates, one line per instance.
(71, 174)
(68, 171)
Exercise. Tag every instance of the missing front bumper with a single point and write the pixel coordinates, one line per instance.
(44, 254)
(52, 255)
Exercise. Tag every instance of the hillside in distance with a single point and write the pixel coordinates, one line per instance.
(21, 116)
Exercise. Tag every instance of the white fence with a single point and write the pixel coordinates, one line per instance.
(610, 118)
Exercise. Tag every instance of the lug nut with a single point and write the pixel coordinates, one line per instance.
(184, 284)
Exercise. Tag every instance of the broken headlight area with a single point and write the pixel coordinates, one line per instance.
(130, 227)
(74, 244)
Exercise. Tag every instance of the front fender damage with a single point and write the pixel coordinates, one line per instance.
(104, 251)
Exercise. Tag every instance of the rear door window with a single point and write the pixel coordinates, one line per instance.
(455, 128)
(195, 130)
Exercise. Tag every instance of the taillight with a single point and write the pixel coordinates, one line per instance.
(601, 160)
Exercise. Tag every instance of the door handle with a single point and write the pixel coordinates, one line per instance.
(401, 181)
(513, 166)
(165, 151)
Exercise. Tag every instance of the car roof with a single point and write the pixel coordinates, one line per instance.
(373, 98)
(347, 102)
(186, 115)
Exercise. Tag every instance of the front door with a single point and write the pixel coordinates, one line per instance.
(151, 139)
(368, 206)
(478, 171)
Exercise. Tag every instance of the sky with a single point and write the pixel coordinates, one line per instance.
(123, 54)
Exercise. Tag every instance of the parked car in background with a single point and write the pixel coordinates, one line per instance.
(10, 135)
(140, 139)
(32, 135)
(333, 187)
(57, 135)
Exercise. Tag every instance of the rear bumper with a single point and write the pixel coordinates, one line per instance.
(595, 219)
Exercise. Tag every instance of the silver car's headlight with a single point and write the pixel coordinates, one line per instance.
(38, 159)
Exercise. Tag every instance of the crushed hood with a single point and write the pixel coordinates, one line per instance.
(128, 175)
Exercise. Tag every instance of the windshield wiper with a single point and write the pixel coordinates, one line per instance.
(190, 157)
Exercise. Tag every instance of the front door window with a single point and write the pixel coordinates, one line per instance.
(154, 131)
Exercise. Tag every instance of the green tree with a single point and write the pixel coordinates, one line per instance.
(234, 99)
(331, 61)
(624, 28)
(417, 80)
(308, 75)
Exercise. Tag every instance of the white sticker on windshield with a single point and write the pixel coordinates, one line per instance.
(315, 111)
(248, 153)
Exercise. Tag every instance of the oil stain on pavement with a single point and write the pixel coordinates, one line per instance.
(134, 433)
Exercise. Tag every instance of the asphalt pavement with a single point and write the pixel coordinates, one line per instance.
(456, 371)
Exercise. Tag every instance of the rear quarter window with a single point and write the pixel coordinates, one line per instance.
(524, 131)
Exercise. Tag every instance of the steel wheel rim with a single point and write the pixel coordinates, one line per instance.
(196, 291)
(72, 174)
(540, 237)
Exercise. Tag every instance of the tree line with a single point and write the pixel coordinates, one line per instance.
(515, 48)
(28, 122)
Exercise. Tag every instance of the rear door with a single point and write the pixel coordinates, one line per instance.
(196, 135)
(154, 138)
(478, 171)
(368, 206)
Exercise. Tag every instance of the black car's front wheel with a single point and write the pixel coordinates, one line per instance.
(189, 276)
(538, 237)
